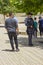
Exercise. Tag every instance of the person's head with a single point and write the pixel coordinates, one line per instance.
(35, 18)
(40, 17)
(29, 14)
(11, 15)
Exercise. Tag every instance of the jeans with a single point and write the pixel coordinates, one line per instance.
(11, 36)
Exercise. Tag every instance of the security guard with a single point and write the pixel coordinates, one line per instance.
(30, 27)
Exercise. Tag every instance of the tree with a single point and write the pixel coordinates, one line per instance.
(3, 6)
(32, 5)
(21, 6)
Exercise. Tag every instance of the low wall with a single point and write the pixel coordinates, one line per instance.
(1, 19)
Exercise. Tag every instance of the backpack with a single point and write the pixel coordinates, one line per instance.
(35, 24)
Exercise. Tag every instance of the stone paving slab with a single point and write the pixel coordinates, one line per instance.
(26, 55)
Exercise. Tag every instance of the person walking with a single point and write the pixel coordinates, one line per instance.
(40, 25)
(35, 27)
(30, 26)
(12, 29)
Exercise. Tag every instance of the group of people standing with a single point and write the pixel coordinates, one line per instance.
(32, 27)
(11, 25)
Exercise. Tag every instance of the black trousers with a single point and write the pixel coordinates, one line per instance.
(35, 32)
(30, 39)
(13, 36)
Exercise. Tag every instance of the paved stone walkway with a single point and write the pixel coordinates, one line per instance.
(26, 55)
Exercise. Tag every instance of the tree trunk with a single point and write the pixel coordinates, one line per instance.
(4, 19)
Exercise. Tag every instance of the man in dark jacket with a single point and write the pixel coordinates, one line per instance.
(29, 23)
(12, 29)
(40, 25)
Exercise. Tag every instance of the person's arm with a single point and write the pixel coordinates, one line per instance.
(25, 21)
(17, 29)
(6, 24)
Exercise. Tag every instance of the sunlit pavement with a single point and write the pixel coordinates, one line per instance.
(26, 56)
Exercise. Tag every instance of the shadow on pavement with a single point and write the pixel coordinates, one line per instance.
(7, 50)
(23, 42)
(37, 42)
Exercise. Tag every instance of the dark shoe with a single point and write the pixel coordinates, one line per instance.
(17, 50)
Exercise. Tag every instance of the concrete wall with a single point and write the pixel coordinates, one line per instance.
(1, 19)
(21, 18)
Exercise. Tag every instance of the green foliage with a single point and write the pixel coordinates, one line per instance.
(3, 6)
(33, 5)
(21, 6)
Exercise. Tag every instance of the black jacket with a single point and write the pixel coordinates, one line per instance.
(29, 22)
